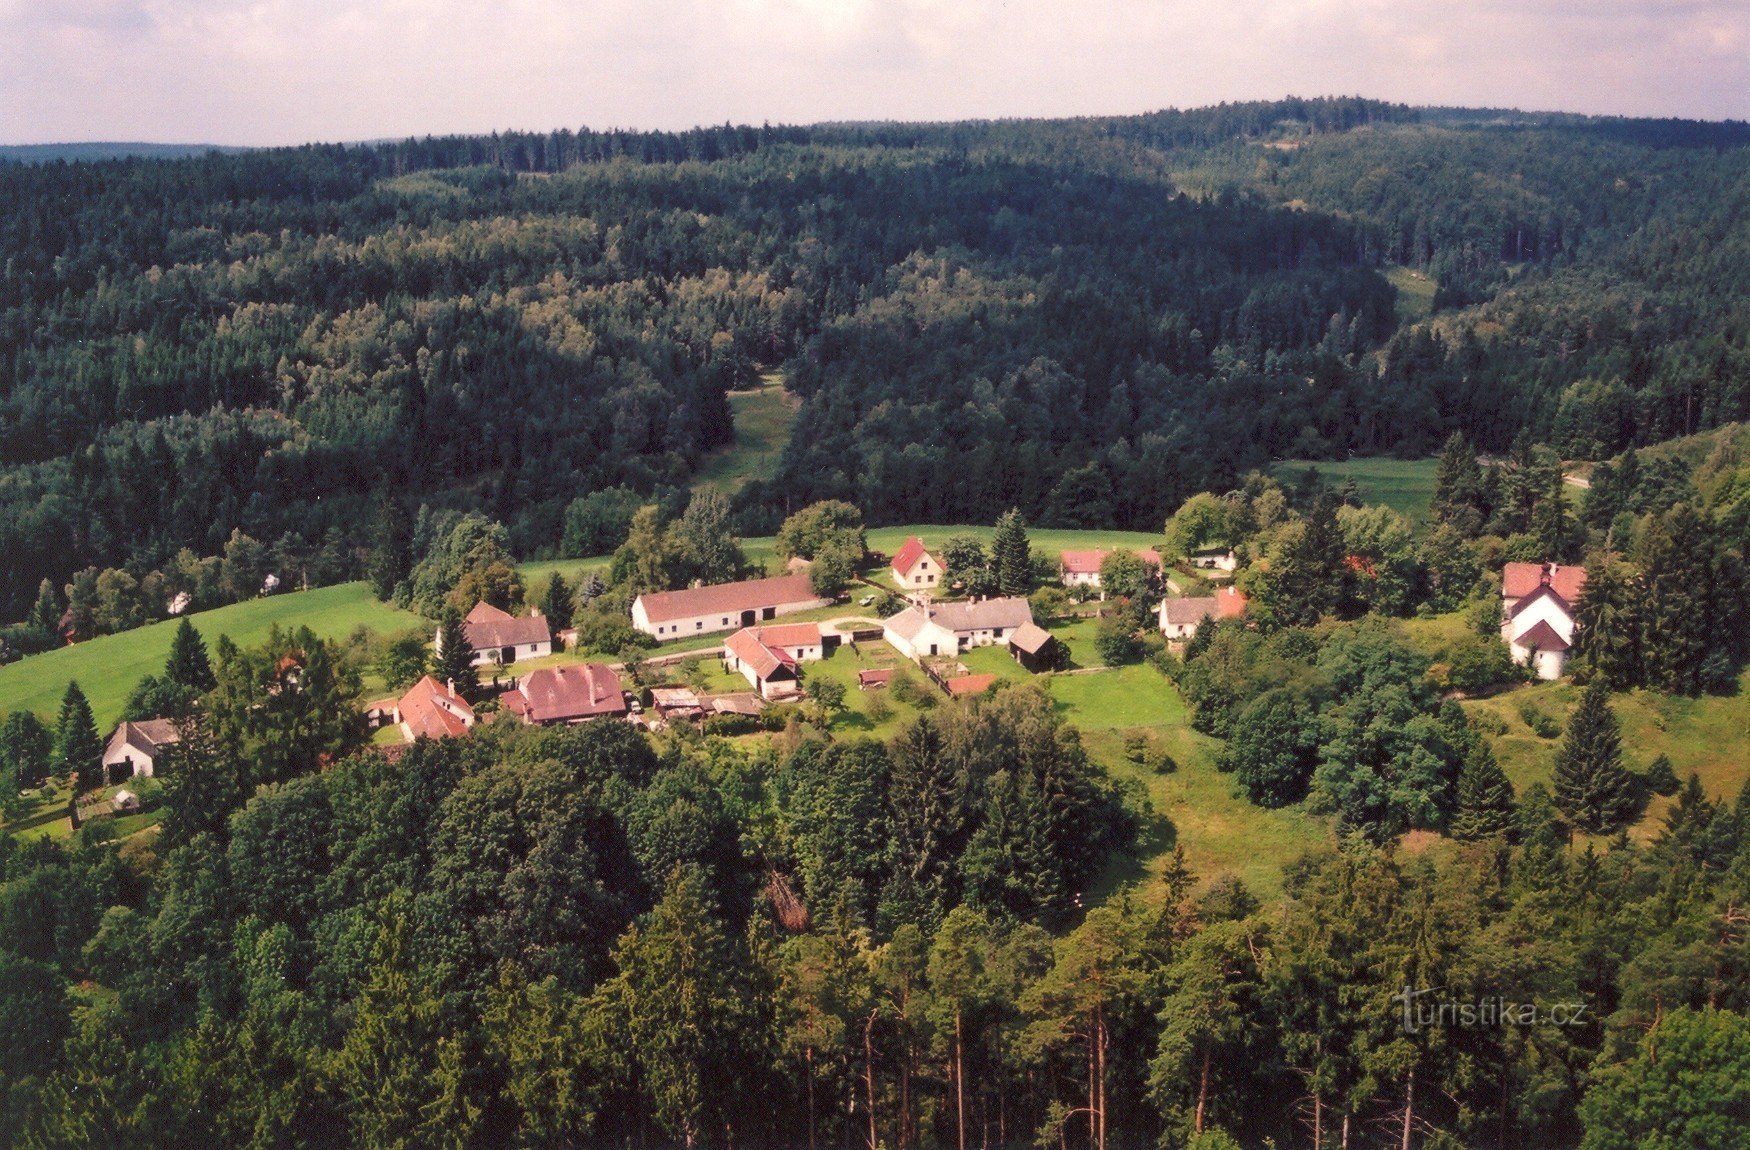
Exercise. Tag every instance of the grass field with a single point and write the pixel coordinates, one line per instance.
(1709, 736)
(763, 420)
(1415, 293)
(1404, 485)
(107, 668)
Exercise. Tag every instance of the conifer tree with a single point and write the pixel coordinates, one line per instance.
(1607, 638)
(188, 664)
(556, 603)
(392, 556)
(45, 615)
(1591, 786)
(78, 750)
(1458, 487)
(1485, 797)
(454, 662)
(1011, 555)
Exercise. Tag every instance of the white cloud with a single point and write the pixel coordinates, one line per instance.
(277, 71)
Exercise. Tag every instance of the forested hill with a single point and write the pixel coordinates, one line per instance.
(1089, 318)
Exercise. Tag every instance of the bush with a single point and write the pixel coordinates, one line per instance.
(1115, 639)
(728, 725)
(1542, 725)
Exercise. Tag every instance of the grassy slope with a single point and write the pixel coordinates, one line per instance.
(107, 668)
(763, 420)
(1404, 485)
(1415, 293)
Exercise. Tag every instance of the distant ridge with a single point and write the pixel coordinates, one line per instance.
(49, 153)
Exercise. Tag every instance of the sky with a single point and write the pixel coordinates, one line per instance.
(255, 72)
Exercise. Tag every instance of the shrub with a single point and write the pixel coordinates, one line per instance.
(728, 725)
(1542, 725)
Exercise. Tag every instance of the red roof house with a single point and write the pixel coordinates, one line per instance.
(571, 694)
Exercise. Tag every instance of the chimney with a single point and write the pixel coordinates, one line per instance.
(452, 686)
(1546, 574)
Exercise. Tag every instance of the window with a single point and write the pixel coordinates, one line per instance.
(997, 633)
(699, 626)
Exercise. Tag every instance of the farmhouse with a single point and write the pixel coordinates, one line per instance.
(498, 637)
(929, 629)
(433, 710)
(1537, 614)
(1180, 617)
(574, 694)
(1082, 568)
(770, 657)
(134, 748)
(671, 615)
(914, 568)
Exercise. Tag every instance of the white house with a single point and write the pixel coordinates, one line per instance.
(498, 637)
(1180, 618)
(1082, 568)
(770, 657)
(929, 629)
(1213, 559)
(1537, 614)
(671, 615)
(135, 748)
(914, 568)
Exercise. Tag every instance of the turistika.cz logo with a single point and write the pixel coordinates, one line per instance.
(1420, 1010)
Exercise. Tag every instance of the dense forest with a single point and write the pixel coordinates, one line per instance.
(1087, 319)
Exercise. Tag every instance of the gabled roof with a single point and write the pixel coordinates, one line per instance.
(970, 684)
(908, 555)
(728, 598)
(1540, 592)
(487, 627)
(1543, 637)
(560, 694)
(1030, 637)
(1089, 562)
(790, 635)
(432, 711)
(1520, 579)
(149, 735)
(1224, 604)
(983, 615)
(766, 661)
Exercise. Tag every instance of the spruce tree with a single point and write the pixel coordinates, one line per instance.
(1458, 487)
(1607, 638)
(188, 664)
(392, 556)
(455, 658)
(556, 603)
(45, 615)
(1591, 786)
(1011, 555)
(1485, 797)
(78, 750)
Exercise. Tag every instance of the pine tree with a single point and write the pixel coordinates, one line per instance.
(78, 750)
(1607, 638)
(1485, 797)
(188, 664)
(454, 662)
(1012, 555)
(556, 603)
(1591, 786)
(45, 615)
(392, 556)
(1551, 523)
(1458, 487)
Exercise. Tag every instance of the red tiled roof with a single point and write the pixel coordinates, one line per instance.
(969, 684)
(1226, 603)
(1088, 562)
(429, 710)
(791, 635)
(871, 678)
(1543, 637)
(728, 598)
(486, 627)
(908, 555)
(1521, 579)
(1541, 591)
(1229, 603)
(765, 660)
(560, 694)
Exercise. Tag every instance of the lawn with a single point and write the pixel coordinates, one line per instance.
(1404, 485)
(763, 420)
(1133, 696)
(107, 668)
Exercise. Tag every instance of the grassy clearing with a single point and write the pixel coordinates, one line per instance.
(107, 668)
(1415, 293)
(763, 420)
(1133, 696)
(1709, 736)
(1404, 485)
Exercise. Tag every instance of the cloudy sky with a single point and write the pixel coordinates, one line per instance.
(286, 71)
